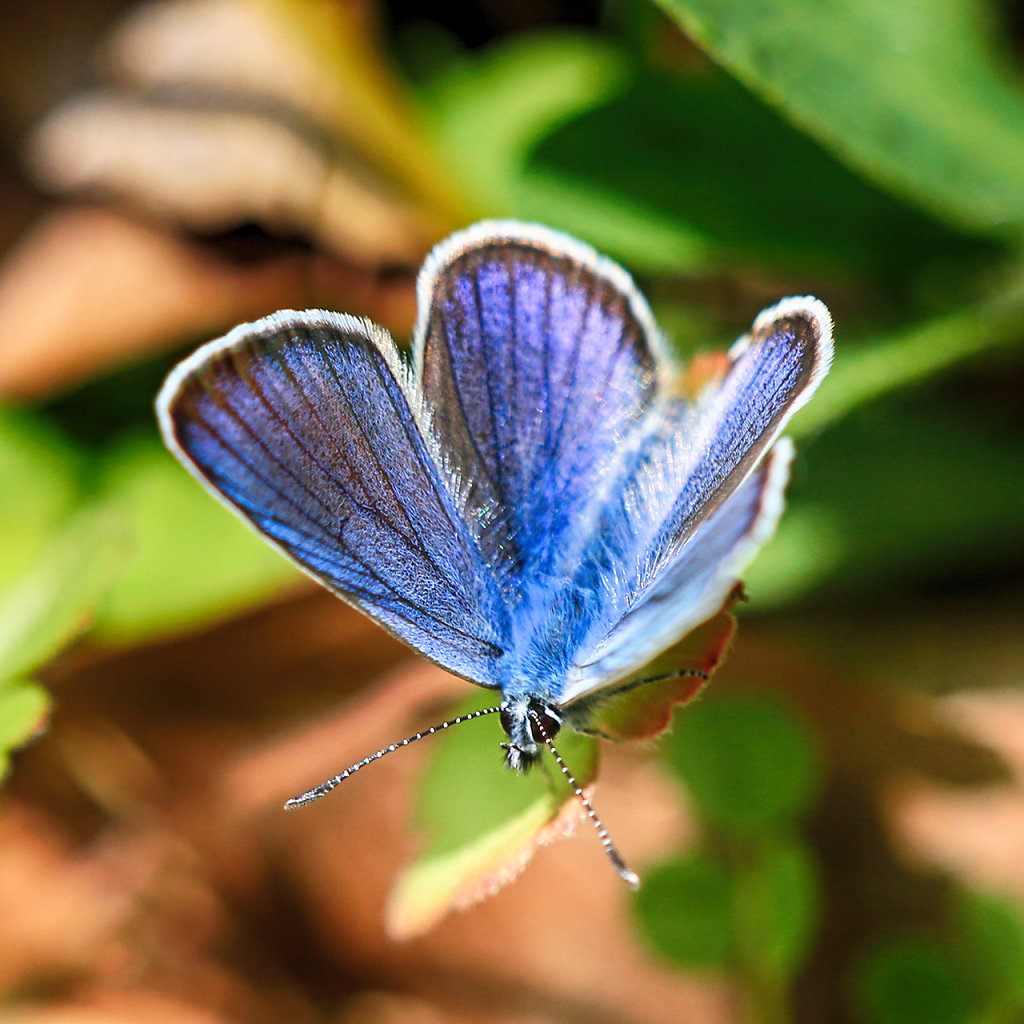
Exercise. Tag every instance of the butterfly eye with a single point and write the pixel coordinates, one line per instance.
(507, 720)
(538, 715)
(542, 715)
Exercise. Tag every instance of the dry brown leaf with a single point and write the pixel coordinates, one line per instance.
(309, 887)
(262, 780)
(210, 169)
(89, 289)
(226, 46)
(115, 1007)
(224, 114)
(978, 834)
(69, 908)
(343, 854)
(392, 1008)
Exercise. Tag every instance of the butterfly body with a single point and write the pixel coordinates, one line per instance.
(535, 501)
(526, 720)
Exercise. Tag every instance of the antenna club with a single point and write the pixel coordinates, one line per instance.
(629, 877)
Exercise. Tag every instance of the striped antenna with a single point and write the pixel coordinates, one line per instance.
(325, 787)
(629, 877)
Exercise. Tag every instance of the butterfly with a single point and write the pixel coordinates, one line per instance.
(538, 501)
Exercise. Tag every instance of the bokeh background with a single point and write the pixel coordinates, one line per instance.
(835, 832)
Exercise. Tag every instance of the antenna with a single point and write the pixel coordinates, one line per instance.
(325, 787)
(682, 673)
(629, 877)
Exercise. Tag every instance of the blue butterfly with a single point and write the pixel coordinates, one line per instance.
(535, 504)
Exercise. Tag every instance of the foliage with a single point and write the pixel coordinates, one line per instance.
(747, 899)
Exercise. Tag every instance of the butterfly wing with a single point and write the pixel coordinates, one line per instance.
(539, 358)
(705, 496)
(695, 587)
(307, 426)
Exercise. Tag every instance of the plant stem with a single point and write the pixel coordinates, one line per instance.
(370, 111)
(890, 363)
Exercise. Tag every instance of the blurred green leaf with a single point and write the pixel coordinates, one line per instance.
(913, 94)
(863, 373)
(614, 223)
(23, 709)
(481, 822)
(38, 486)
(685, 910)
(747, 761)
(911, 981)
(989, 931)
(489, 110)
(59, 595)
(777, 903)
(194, 560)
(695, 158)
(905, 490)
(465, 790)
(811, 547)
(55, 565)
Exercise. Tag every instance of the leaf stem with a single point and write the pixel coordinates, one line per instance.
(369, 109)
(897, 361)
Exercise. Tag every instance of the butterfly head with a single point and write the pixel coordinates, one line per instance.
(527, 721)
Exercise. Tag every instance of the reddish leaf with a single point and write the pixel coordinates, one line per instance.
(646, 711)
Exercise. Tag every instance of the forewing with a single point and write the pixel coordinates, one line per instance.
(539, 357)
(698, 508)
(306, 425)
(774, 372)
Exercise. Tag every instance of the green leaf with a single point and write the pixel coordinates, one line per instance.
(466, 791)
(990, 936)
(864, 372)
(911, 981)
(685, 910)
(747, 761)
(59, 595)
(777, 908)
(867, 513)
(489, 111)
(617, 223)
(656, 157)
(23, 709)
(482, 823)
(912, 94)
(54, 570)
(38, 487)
(811, 548)
(194, 560)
